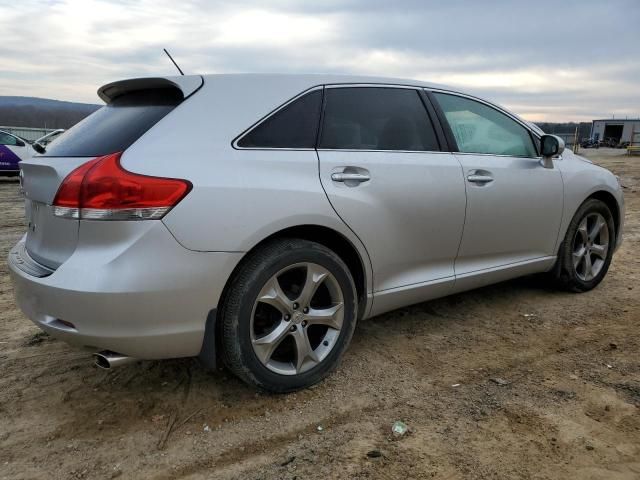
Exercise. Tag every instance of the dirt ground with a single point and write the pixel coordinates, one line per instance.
(511, 381)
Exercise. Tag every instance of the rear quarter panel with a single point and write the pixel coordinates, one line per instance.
(239, 197)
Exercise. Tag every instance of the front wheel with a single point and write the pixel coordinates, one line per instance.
(585, 254)
(289, 315)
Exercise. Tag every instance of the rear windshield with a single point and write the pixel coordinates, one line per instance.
(117, 125)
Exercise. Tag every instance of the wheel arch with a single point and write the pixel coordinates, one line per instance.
(604, 195)
(610, 201)
(330, 238)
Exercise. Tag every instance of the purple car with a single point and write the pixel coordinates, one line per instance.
(13, 149)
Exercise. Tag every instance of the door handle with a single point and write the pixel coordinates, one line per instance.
(350, 177)
(480, 178)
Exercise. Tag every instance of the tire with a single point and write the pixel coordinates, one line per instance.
(257, 310)
(571, 267)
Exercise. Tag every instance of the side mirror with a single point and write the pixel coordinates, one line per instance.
(550, 146)
(19, 143)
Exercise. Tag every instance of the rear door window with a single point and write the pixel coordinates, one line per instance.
(376, 118)
(293, 126)
(117, 125)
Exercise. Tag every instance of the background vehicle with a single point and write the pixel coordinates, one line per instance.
(608, 142)
(315, 202)
(589, 143)
(41, 143)
(12, 150)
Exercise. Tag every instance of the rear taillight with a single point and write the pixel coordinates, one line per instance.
(102, 190)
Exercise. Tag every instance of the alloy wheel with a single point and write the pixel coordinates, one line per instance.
(297, 318)
(590, 246)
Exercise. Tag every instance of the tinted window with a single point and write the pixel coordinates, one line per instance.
(479, 128)
(294, 126)
(115, 126)
(373, 118)
(6, 139)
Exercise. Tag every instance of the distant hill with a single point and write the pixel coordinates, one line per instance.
(42, 112)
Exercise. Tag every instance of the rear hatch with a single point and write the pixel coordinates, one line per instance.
(132, 108)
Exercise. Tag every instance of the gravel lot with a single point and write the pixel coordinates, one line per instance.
(510, 381)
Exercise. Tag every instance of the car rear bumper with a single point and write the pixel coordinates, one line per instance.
(143, 295)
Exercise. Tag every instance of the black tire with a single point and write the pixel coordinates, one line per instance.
(258, 268)
(564, 272)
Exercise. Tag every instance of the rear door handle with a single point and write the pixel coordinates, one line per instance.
(480, 178)
(350, 177)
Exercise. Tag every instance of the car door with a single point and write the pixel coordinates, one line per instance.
(384, 174)
(514, 203)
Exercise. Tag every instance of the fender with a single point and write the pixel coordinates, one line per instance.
(581, 183)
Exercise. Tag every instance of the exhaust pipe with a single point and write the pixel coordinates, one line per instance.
(107, 359)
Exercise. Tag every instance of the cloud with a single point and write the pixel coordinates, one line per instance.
(548, 60)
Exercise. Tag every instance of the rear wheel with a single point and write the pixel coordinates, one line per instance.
(585, 254)
(289, 315)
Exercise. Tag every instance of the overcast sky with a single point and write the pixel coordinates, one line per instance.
(546, 60)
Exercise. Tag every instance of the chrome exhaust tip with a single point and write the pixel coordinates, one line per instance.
(107, 360)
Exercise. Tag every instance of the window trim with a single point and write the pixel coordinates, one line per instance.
(234, 142)
(442, 129)
(449, 132)
(441, 126)
(434, 121)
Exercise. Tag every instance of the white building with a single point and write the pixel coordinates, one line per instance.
(621, 130)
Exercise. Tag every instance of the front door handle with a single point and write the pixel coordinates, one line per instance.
(350, 177)
(480, 177)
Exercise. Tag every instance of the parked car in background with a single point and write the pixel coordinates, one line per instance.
(257, 218)
(41, 143)
(589, 143)
(13, 149)
(608, 142)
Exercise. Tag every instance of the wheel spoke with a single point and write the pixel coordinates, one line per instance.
(599, 250)
(331, 317)
(582, 230)
(596, 228)
(578, 255)
(265, 346)
(588, 266)
(315, 276)
(304, 352)
(273, 295)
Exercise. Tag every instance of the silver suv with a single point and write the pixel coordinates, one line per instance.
(256, 218)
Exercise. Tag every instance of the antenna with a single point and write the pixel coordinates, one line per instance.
(172, 60)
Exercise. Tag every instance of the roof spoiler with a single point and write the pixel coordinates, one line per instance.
(186, 84)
